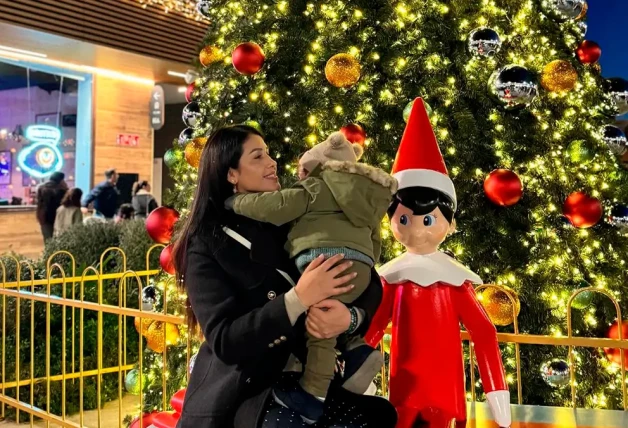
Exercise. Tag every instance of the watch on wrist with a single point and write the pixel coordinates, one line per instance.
(353, 325)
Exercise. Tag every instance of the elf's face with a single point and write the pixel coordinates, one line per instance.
(420, 234)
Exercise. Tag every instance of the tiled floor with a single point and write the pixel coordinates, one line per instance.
(108, 415)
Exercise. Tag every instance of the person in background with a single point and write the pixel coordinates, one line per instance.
(104, 196)
(143, 202)
(49, 197)
(126, 212)
(69, 213)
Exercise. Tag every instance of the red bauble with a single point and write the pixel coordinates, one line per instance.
(354, 133)
(582, 210)
(613, 354)
(147, 420)
(160, 223)
(503, 187)
(165, 260)
(588, 52)
(166, 420)
(189, 92)
(176, 401)
(248, 58)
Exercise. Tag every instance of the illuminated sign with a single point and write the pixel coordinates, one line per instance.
(43, 157)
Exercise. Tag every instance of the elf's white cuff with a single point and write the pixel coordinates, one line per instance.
(499, 402)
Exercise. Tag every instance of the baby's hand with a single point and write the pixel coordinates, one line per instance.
(230, 202)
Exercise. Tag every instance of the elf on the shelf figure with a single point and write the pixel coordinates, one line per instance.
(427, 294)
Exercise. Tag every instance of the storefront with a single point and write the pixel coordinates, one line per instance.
(80, 102)
(41, 130)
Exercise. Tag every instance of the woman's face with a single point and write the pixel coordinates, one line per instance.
(257, 171)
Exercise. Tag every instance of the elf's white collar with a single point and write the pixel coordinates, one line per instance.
(427, 270)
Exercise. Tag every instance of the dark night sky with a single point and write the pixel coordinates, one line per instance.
(608, 26)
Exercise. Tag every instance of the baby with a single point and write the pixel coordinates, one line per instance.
(336, 208)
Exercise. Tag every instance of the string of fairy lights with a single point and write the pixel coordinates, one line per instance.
(529, 48)
(186, 8)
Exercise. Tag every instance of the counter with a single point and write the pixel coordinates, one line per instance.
(19, 231)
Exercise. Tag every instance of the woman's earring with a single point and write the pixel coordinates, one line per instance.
(235, 187)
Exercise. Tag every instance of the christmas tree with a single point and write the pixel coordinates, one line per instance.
(522, 115)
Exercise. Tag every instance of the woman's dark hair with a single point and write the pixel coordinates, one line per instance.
(126, 211)
(139, 185)
(222, 151)
(423, 200)
(72, 198)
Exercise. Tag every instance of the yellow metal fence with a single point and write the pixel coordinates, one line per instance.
(65, 290)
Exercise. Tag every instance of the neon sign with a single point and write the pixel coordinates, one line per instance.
(42, 158)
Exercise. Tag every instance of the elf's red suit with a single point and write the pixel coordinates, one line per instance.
(427, 294)
(426, 308)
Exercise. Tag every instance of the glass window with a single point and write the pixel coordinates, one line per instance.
(38, 116)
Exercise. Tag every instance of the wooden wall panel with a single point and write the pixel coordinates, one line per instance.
(20, 232)
(121, 108)
(121, 24)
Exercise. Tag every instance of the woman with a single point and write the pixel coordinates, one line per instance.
(143, 202)
(236, 275)
(69, 212)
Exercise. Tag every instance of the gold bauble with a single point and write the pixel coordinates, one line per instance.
(156, 333)
(209, 55)
(498, 306)
(155, 346)
(194, 150)
(342, 70)
(583, 14)
(559, 76)
(143, 327)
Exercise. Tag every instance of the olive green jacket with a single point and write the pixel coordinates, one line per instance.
(340, 204)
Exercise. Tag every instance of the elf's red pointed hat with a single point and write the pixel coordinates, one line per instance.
(419, 162)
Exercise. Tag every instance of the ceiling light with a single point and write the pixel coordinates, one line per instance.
(22, 51)
(176, 74)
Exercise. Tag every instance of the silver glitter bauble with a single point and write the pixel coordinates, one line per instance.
(191, 76)
(619, 218)
(192, 362)
(514, 86)
(583, 26)
(192, 114)
(484, 42)
(566, 9)
(555, 373)
(203, 7)
(149, 298)
(615, 139)
(185, 136)
(617, 88)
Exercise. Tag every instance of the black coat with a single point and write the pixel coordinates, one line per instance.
(237, 296)
(49, 197)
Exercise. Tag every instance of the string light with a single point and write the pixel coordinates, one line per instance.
(186, 8)
(383, 84)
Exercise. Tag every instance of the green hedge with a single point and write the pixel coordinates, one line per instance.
(86, 243)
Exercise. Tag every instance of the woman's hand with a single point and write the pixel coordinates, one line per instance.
(319, 280)
(327, 319)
